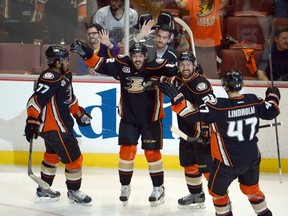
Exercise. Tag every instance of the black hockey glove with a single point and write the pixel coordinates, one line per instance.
(205, 135)
(151, 83)
(171, 91)
(84, 119)
(85, 51)
(273, 93)
(199, 69)
(32, 128)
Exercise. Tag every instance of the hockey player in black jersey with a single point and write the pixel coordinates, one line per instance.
(195, 158)
(141, 111)
(49, 114)
(234, 142)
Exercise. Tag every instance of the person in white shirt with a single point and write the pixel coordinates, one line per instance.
(111, 18)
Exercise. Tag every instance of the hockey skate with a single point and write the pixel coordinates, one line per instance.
(157, 196)
(195, 201)
(48, 195)
(125, 193)
(79, 197)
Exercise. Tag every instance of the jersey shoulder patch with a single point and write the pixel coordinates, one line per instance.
(48, 76)
(202, 86)
(159, 61)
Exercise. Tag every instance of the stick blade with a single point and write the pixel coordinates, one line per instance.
(39, 181)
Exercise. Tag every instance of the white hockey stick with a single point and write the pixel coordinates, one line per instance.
(35, 178)
(193, 139)
(183, 135)
(270, 125)
(189, 31)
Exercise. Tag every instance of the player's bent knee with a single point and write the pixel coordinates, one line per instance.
(253, 192)
(152, 155)
(51, 159)
(75, 165)
(128, 152)
(193, 170)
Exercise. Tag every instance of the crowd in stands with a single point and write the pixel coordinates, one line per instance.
(248, 30)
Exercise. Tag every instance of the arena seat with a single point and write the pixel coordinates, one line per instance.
(279, 21)
(19, 58)
(253, 29)
(235, 59)
(260, 7)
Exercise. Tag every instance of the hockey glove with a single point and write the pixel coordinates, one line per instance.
(82, 49)
(273, 93)
(84, 119)
(151, 83)
(205, 135)
(32, 128)
(171, 91)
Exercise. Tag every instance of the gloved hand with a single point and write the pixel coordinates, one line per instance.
(151, 83)
(171, 91)
(85, 51)
(273, 93)
(84, 119)
(32, 128)
(205, 135)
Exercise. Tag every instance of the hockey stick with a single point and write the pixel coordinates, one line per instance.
(193, 139)
(183, 135)
(189, 31)
(275, 120)
(270, 125)
(38, 180)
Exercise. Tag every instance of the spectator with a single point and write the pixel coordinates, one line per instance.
(111, 18)
(62, 18)
(205, 24)
(158, 44)
(235, 153)
(101, 44)
(279, 57)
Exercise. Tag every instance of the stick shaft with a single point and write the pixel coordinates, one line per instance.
(189, 31)
(35, 178)
(270, 125)
(275, 120)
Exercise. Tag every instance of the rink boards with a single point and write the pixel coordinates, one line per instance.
(99, 142)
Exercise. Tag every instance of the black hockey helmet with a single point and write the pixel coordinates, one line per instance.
(138, 48)
(187, 56)
(232, 80)
(54, 53)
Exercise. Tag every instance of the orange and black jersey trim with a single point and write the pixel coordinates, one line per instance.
(137, 105)
(197, 90)
(235, 125)
(54, 101)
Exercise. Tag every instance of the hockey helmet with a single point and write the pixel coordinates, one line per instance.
(138, 48)
(54, 53)
(232, 80)
(187, 56)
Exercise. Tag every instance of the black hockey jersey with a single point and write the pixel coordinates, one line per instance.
(137, 105)
(53, 101)
(197, 91)
(235, 125)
